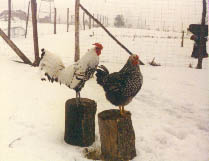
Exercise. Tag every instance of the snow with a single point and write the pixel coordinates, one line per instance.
(169, 114)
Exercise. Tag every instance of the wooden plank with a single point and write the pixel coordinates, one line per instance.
(15, 48)
(108, 32)
(77, 46)
(35, 32)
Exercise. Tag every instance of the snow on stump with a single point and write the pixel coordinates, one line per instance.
(117, 135)
(80, 122)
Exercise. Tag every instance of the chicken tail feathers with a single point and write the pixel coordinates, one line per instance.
(101, 74)
(50, 65)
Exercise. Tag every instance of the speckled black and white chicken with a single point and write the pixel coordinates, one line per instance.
(121, 87)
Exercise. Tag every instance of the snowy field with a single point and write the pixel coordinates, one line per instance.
(170, 114)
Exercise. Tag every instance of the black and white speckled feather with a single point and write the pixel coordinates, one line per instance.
(120, 87)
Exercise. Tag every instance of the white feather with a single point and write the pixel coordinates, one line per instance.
(51, 64)
(54, 67)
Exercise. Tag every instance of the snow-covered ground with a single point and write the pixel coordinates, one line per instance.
(169, 114)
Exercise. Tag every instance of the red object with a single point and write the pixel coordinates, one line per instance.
(193, 37)
(99, 48)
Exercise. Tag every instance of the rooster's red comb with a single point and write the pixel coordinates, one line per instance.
(98, 45)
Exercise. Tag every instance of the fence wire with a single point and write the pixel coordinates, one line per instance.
(152, 28)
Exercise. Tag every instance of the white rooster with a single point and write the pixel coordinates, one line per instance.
(73, 76)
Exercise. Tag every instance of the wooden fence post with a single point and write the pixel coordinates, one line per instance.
(55, 20)
(104, 20)
(77, 47)
(71, 19)
(100, 19)
(35, 32)
(182, 39)
(14, 47)
(28, 15)
(84, 20)
(9, 18)
(67, 19)
(89, 22)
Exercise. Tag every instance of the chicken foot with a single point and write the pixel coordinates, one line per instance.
(78, 100)
(122, 110)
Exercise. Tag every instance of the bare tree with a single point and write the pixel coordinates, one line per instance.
(119, 21)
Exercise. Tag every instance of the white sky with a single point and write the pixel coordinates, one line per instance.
(154, 12)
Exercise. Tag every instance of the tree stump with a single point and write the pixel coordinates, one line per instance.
(80, 122)
(117, 136)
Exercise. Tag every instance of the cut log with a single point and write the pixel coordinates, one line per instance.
(80, 122)
(117, 136)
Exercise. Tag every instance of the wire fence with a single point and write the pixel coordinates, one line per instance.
(151, 28)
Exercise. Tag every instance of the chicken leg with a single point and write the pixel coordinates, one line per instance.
(122, 110)
(78, 100)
